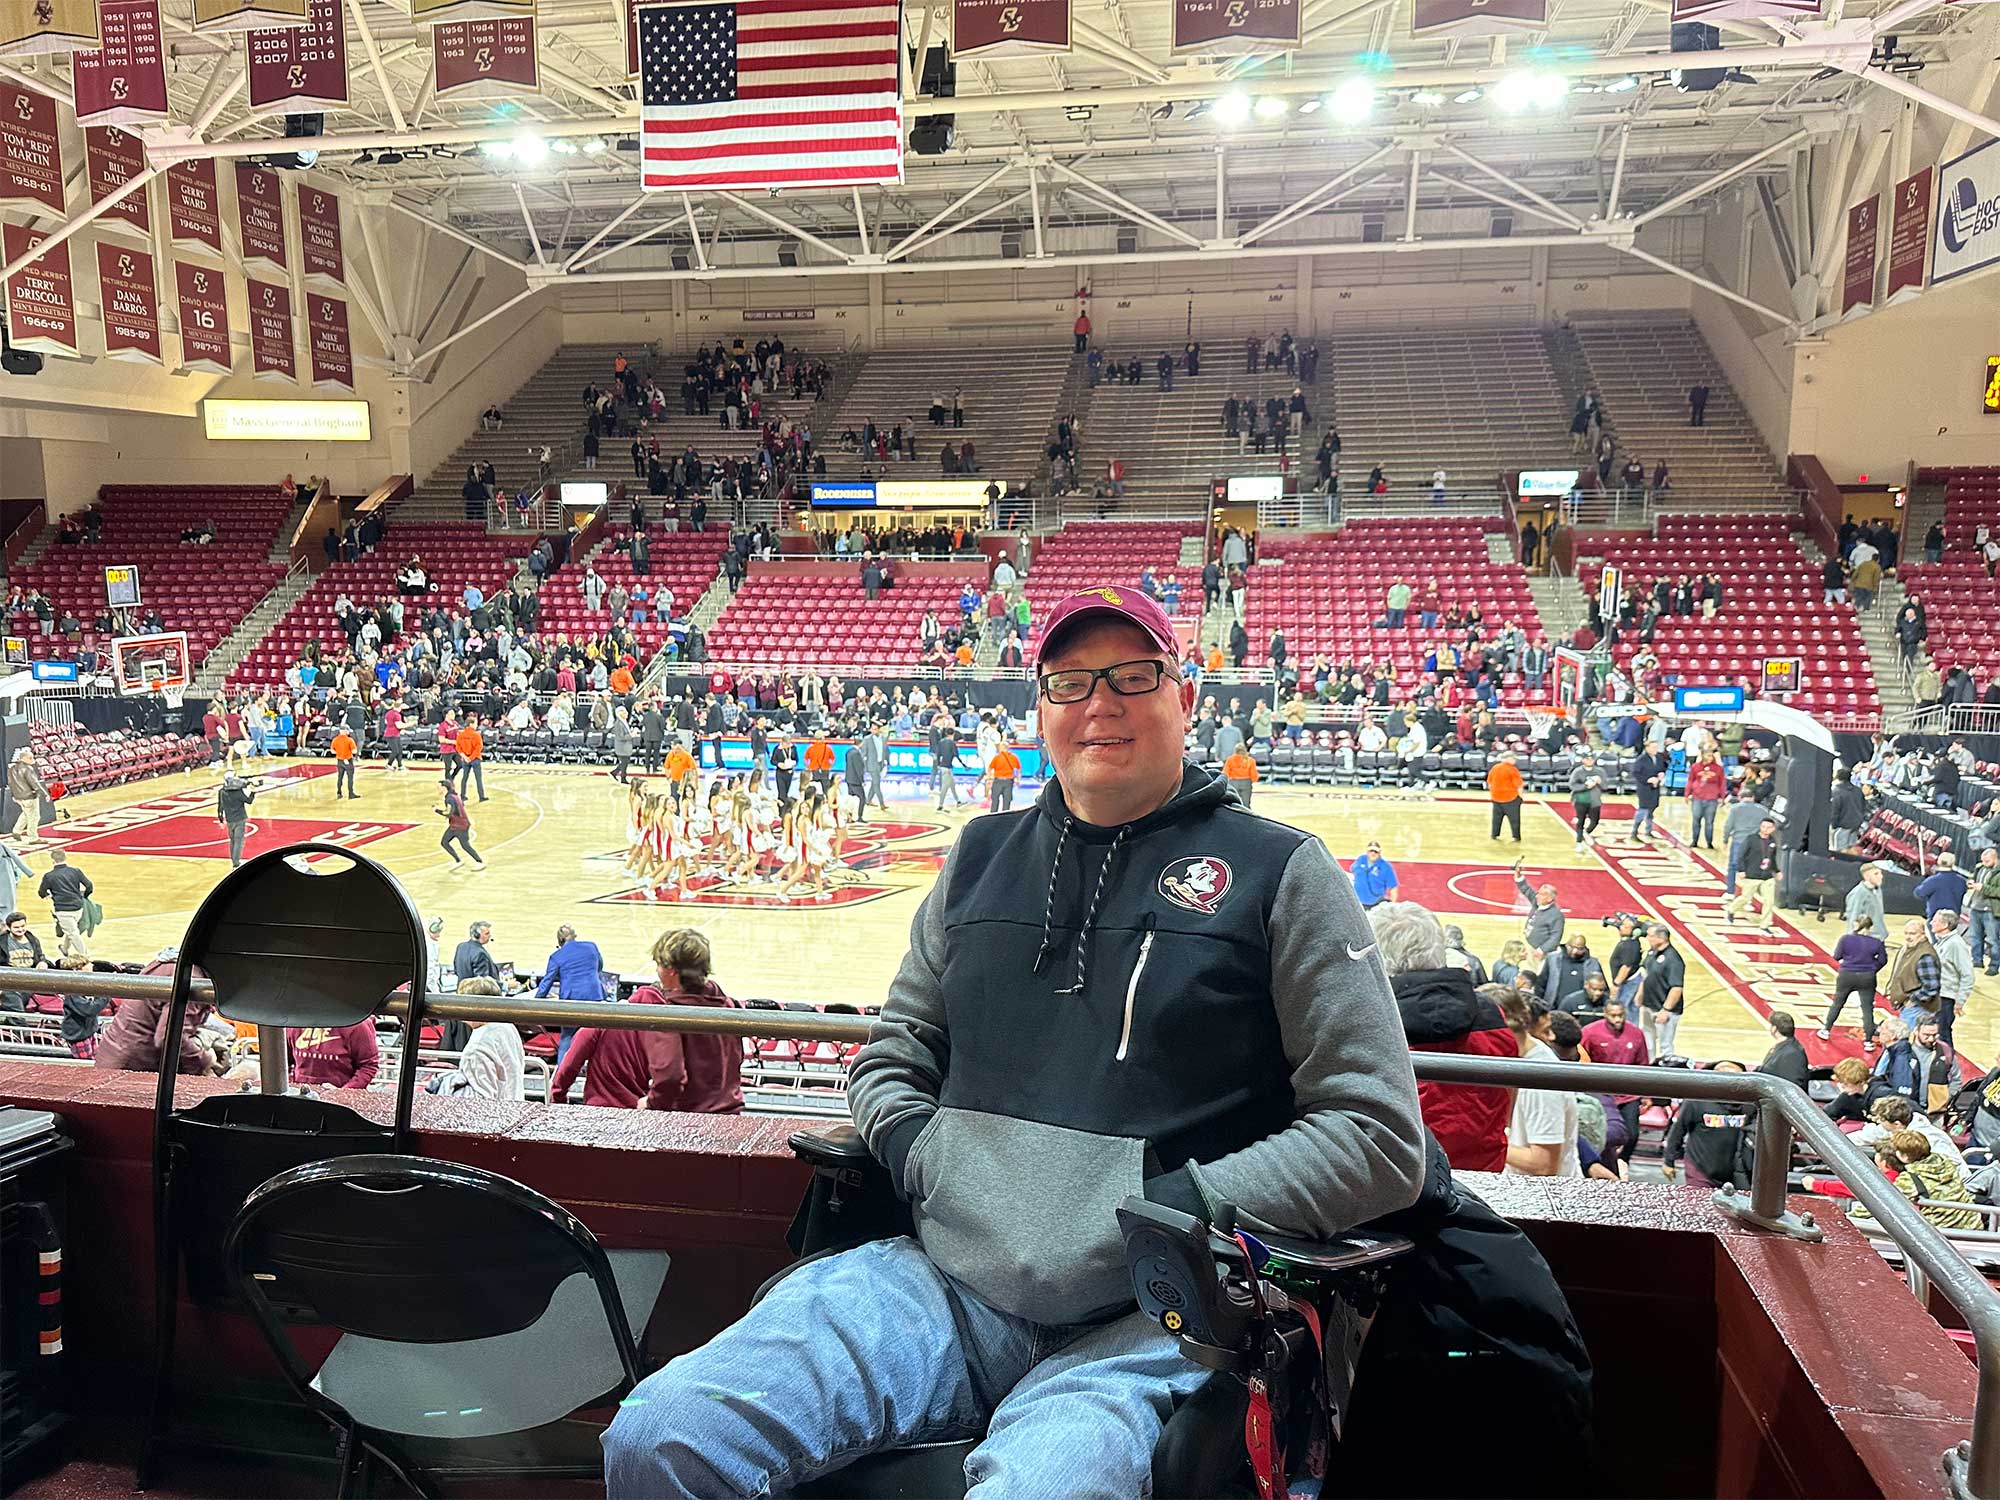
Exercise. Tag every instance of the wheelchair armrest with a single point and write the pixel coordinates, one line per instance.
(838, 1148)
(1345, 1252)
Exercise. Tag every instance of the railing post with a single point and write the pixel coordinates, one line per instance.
(1770, 1172)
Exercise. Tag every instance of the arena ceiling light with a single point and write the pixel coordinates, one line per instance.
(530, 150)
(1353, 101)
(1530, 89)
(1467, 96)
(1428, 98)
(1310, 107)
(1621, 85)
(1232, 110)
(594, 146)
(1270, 107)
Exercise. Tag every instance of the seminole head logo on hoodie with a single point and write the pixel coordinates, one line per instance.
(1197, 883)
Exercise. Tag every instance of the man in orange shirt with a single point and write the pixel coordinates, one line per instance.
(471, 757)
(1240, 771)
(819, 762)
(621, 680)
(343, 764)
(1001, 771)
(964, 654)
(679, 763)
(1503, 785)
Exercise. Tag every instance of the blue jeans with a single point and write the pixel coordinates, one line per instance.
(1396, 618)
(1429, 617)
(1985, 940)
(1729, 868)
(1701, 814)
(1642, 818)
(876, 1348)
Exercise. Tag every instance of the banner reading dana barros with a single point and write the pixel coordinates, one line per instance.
(124, 82)
(130, 302)
(112, 158)
(41, 305)
(271, 341)
(1235, 25)
(202, 296)
(1009, 28)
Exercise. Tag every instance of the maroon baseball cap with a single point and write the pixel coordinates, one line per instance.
(1127, 604)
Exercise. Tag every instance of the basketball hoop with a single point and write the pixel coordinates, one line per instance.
(174, 693)
(1542, 718)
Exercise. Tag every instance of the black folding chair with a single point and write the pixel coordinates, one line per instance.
(285, 944)
(478, 1316)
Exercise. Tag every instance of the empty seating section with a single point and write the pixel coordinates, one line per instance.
(684, 561)
(83, 761)
(1644, 371)
(1009, 396)
(1172, 442)
(452, 555)
(1327, 590)
(1772, 606)
(1960, 602)
(205, 590)
(782, 616)
(1085, 554)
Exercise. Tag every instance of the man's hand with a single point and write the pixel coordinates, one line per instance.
(1667, 1170)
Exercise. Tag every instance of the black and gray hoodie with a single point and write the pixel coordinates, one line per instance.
(1188, 1005)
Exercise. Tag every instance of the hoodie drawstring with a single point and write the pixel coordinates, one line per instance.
(1042, 954)
(1089, 914)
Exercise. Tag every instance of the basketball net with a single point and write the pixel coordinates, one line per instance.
(1542, 718)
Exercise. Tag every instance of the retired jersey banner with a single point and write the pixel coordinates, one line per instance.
(124, 82)
(130, 303)
(485, 56)
(1909, 234)
(631, 10)
(321, 257)
(1009, 28)
(271, 352)
(203, 302)
(441, 12)
(1968, 217)
(41, 307)
(260, 218)
(326, 337)
(112, 158)
(1477, 17)
(31, 26)
(31, 164)
(1235, 25)
(1743, 10)
(300, 67)
(194, 207)
(247, 15)
(1857, 282)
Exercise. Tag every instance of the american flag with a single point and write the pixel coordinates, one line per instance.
(770, 93)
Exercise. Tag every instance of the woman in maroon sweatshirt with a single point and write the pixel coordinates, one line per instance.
(696, 1072)
(345, 1057)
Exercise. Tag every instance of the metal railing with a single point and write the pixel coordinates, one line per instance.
(1784, 1111)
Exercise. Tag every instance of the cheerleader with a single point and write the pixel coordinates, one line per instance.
(635, 832)
(763, 822)
(792, 844)
(675, 840)
(740, 857)
(988, 741)
(818, 841)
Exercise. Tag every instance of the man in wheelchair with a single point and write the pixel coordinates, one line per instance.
(1195, 1021)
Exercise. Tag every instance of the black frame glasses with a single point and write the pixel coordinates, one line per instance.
(1077, 685)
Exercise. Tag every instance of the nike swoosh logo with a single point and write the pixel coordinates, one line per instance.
(1359, 953)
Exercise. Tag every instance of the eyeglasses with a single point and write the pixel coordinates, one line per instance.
(1128, 679)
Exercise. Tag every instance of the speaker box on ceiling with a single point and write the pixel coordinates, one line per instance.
(1695, 36)
(17, 361)
(937, 78)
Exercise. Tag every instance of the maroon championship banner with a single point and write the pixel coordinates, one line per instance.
(1857, 283)
(1009, 28)
(1235, 25)
(31, 164)
(130, 303)
(112, 158)
(631, 8)
(247, 15)
(1476, 17)
(194, 206)
(1743, 10)
(41, 307)
(326, 338)
(1909, 234)
(271, 353)
(297, 67)
(485, 55)
(124, 82)
(321, 257)
(30, 27)
(442, 12)
(260, 218)
(203, 302)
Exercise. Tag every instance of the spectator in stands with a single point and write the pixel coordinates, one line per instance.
(1614, 1040)
(1698, 404)
(1787, 1057)
(1955, 970)
(1715, 1135)
(68, 891)
(342, 1057)
(492, 1063)
(1915, 980)
(574, 971)
(1930, 1179)
(1398, 606)
(1858, 1088)
(661, 1070)
(1541, 1130)
(20, 949)
(1944, 888)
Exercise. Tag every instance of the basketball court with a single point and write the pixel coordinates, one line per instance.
(554, 840)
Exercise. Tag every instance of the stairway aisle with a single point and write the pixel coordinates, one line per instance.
(230, 651)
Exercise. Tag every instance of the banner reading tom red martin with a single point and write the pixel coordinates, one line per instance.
(124, 82)
(41, 306)
(474, 57)
(202, 296)
(1235, 25)
(194, 206)
(130, 303)
(1909, 234)
(300, 67)
(1009, 28)
(321, 256)
(326, 338)
(271, 339)
(1857, 282)
(31, 164)
(260, 218)
(112, 158)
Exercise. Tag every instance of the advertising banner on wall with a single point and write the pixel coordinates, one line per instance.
(1009, 28)
(1910, 233)
(321, 257)
(130, 302)
(475, 57)
(41, 306)
(1864, 223)
(203, 308)
(28, 27)
(1235, 25)
(260, 219)
(271, 352)
(295, 68)
(327, 342)
(1968, 214)
(112, 158)
(31, 164)
(1476, 17)
(124, 82)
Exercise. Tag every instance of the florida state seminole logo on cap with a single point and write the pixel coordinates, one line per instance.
(1197, 883)
(1109, 596)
